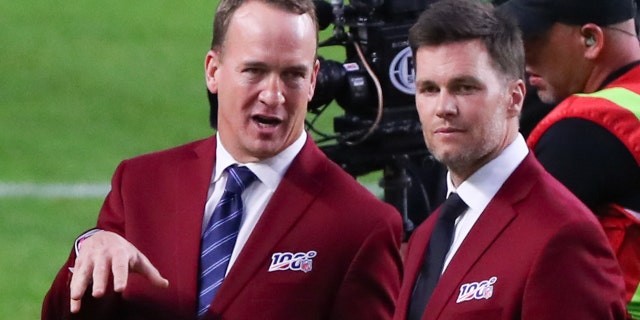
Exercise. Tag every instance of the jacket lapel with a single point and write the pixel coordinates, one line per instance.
(297, 190)
(414, 258)
(192, 181)
(493, 220)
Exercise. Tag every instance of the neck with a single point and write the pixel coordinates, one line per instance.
(461, 173)
(621, 47)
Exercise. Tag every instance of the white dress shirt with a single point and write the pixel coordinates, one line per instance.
(478, 190)
(257, 195)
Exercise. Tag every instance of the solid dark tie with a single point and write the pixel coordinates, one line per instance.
(220, 235)
(439, 245)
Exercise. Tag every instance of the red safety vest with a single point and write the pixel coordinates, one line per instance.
(616, 108)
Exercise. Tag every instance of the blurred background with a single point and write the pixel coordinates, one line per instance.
(84, 85)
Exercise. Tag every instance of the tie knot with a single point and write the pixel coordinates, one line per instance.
(239, 179)
(452, 207)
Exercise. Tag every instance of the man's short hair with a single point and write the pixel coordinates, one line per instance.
(226, 9)
(450, 21)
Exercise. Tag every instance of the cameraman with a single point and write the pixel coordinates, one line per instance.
(585, 55)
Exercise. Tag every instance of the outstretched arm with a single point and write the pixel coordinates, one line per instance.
(105, 256)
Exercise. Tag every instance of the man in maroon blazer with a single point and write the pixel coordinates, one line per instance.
(523, 247)
(313, 243)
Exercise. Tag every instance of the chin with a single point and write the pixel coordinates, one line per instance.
(549, 97)
(263, 149)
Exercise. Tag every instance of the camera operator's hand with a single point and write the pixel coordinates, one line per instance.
(106, 254)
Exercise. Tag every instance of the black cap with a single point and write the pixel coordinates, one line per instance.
(537, 16)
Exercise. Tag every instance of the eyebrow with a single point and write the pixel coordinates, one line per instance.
(298, 69)
(295, 68)
(464, 80)
(254, 64)
(420, 83)
(457, 80)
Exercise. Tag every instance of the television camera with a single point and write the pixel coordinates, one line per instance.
(379, 129)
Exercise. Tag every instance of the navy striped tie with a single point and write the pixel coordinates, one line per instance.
(220, 235)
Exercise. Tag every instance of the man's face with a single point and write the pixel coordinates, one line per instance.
(264, 76)
(469, 112)
(554, 63)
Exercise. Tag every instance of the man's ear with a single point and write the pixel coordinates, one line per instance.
(517, 92)
(593, 40)
(211, 66)
(314, 79)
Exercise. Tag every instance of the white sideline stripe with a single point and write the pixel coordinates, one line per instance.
(53, 190)
(81, 190)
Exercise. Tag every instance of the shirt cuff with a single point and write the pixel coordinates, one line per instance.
(84, 237)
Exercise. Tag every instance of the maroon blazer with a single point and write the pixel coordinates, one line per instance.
(157, 203)
(536, 252)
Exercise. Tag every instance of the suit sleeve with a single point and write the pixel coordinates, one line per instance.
(370, 288)
(575, 276)
(56, 303)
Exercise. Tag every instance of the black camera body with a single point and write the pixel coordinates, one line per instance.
(376, 126)
(387, 53)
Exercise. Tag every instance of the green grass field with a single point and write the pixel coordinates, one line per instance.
(84, 85)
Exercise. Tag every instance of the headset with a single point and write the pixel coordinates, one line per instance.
(590, 41)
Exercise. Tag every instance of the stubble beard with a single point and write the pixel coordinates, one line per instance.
(468, 158)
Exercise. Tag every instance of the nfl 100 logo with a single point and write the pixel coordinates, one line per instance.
(477, 290)
(301, 261)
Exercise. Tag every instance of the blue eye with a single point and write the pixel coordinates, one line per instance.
(466, 89)
(253, 70)
(429, 89)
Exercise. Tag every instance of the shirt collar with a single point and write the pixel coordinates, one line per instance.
(478, 190)
(270, 171)
(618, 73)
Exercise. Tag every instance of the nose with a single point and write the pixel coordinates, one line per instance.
(446, 105)
(272, 94)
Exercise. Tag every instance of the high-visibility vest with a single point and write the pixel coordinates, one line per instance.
(616, 108)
